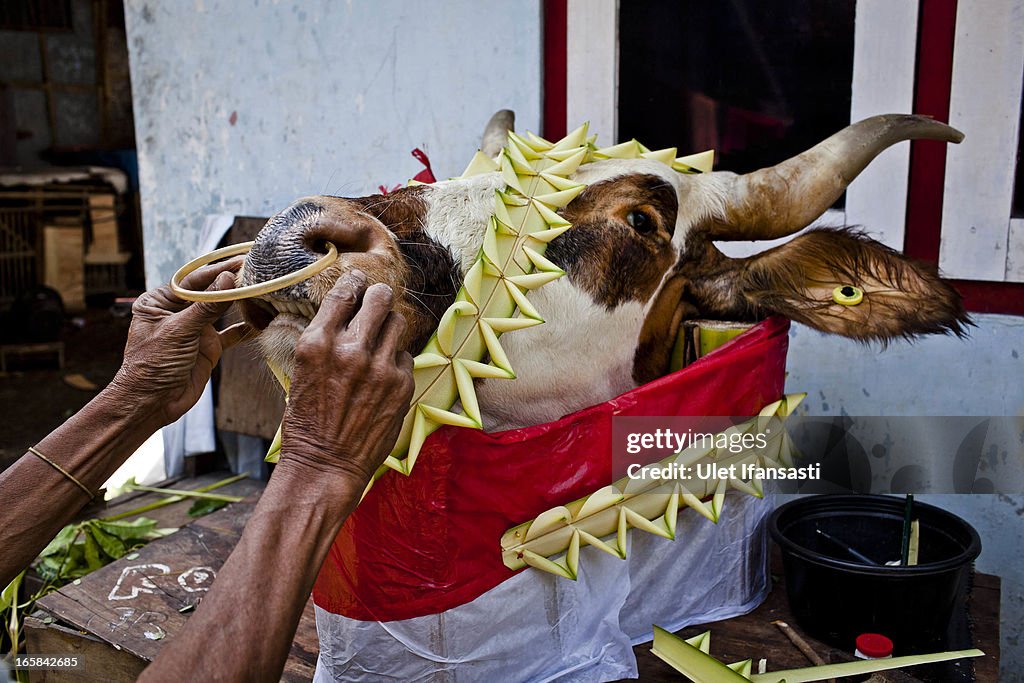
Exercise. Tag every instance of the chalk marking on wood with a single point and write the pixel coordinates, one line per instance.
(139, 582)
(197, 579)
(125, 613)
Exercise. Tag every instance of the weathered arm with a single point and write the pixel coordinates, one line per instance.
(172, 348)
(351, 389)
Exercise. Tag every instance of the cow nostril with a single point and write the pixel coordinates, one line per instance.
(319, 246)
(346, 237)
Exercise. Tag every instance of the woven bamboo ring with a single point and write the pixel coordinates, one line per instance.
(258, 289)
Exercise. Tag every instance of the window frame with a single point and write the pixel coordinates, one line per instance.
(933, 87)
(898, 197)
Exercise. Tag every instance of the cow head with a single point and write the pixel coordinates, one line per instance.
(639, 260)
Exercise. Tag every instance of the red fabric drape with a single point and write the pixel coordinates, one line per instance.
(429, 542)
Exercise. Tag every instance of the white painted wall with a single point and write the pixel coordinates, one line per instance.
(978, 241)
(330, 97)
(883, 82)
(936, 376)
(592, 67)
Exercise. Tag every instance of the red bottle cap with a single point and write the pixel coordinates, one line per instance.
(874, 645)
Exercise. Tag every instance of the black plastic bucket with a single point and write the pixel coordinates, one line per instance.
(835, 597)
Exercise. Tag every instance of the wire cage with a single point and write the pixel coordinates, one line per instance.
(24, 213)
(19, 233)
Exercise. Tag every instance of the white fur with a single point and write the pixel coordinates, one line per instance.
(457, 213)
(584, 353)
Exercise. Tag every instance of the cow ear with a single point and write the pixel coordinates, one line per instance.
(842, 282)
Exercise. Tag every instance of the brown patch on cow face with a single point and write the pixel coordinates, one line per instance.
(432, 278)
(621, 242)
(689, 290)
(658, 335)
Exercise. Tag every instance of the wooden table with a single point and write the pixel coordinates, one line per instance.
(120, 616)
(754, 635)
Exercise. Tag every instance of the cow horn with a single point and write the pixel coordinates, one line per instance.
(496, 133)
(785, 198)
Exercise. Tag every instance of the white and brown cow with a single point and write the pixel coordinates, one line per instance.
(639, 259)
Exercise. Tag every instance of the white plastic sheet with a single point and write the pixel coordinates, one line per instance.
(538, 627)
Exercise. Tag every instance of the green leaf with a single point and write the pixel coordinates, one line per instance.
(92, 551)
(112, 545)
(163, 531)
(10, 594)
(690, 661)
(860, 667)
(76, 556)
(48, 567)
(60, 543)
(137, 528)
(205, 507)
(77, 572)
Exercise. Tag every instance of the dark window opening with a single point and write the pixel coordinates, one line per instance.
(757, 80)
(35, 15)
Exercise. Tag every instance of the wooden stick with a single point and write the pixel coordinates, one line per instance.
(908, 512)
(186, 494)
(801, 645)
(172, 499)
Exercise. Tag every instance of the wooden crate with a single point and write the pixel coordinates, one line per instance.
(102, 663)
(63, 263)
(105, 273)
(25, 210)
(103, 220)
(54, 349)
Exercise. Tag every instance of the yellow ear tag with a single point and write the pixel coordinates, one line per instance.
(847, 295)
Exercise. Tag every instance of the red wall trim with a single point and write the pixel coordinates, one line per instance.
(933, 81)
(991, 297)
(555, 22)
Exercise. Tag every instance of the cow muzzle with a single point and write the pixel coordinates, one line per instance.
(297, 237)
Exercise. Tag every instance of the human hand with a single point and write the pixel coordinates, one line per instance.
(352, 383)
(173, 346)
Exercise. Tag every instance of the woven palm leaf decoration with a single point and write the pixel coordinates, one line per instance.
(652, 505)
(493, 298)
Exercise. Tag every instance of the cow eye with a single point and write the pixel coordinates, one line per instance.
(640, 221)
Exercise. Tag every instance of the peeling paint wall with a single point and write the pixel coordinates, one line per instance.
(243, 107)
(936, 376)
(241, 110)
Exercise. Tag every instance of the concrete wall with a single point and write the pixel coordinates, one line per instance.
(982, 375)
(937, 376)
(241, 109)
